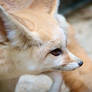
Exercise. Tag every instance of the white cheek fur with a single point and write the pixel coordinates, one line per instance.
(59, 61)
(70, 66)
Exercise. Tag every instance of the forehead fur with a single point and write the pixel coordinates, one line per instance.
(45, 25)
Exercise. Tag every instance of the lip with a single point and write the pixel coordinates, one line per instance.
(67, 67)
(64, 69)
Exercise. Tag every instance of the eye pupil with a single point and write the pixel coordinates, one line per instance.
(56, 52)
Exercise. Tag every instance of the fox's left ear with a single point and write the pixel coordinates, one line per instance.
(17, 34)
(48, 6)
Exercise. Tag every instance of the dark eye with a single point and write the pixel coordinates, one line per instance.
(56, 52)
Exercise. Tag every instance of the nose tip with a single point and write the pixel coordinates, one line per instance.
(80, 63)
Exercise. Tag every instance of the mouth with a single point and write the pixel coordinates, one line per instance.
(66, 67)
(69, 67)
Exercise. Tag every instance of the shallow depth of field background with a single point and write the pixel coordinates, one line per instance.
(79, 14)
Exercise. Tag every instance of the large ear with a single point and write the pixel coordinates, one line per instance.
(62, 22)
(49, 6)
(17, 34)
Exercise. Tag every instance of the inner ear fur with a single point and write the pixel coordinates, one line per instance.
(16, 33)
(2, 32)
(48, 6)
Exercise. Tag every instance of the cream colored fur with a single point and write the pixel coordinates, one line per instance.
(56, 81)
(30, 36)
(34, 83)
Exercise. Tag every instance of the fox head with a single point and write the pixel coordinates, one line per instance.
(36, 41)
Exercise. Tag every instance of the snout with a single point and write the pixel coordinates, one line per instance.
(73, 63)
(70, 66)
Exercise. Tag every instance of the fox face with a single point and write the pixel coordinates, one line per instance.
(36, 42)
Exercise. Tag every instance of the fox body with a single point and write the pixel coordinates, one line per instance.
(78, 80)
(33, 39)
(34, 47)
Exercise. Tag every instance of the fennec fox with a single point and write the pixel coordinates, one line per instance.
(33, 41)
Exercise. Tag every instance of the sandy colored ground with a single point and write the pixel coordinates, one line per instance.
(82, 22)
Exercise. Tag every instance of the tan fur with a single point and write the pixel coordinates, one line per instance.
(30, 34)
(80, 79)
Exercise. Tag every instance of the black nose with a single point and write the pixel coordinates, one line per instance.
(80, 63)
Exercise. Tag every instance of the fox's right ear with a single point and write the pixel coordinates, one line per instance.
(16, 33)
(47, 6)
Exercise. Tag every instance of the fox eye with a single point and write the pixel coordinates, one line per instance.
(56, 52)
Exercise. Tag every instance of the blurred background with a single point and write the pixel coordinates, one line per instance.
(79, 14)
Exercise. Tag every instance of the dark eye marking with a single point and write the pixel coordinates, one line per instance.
(56, 52)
